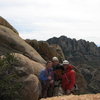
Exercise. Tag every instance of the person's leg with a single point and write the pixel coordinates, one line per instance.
(44, 90)
(50, 89)
(60, 91)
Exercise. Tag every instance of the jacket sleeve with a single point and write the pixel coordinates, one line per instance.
(72, 80)
(42, 76)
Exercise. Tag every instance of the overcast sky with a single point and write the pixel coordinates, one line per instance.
(43, 19)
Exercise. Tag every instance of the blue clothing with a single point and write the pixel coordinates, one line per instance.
(43, 76)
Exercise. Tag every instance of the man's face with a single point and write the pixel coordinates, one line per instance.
(55, 62)
(65, 66)
(49, 65)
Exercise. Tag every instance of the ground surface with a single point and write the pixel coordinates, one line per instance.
(76, 97)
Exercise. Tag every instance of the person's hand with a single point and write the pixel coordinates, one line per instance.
(68, 92)
(51, 82)
(49, 78)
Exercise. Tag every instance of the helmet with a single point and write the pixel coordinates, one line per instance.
(65, 62)
(55, 59)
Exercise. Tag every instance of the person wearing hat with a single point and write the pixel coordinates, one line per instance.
(68, 78)
(55, 61)
(56, 67)
(58, 70)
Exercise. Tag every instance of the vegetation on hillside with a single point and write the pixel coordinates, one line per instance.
(9, 85)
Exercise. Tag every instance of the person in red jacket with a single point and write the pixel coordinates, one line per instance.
(68, 78)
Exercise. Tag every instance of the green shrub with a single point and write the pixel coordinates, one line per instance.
(9, 85)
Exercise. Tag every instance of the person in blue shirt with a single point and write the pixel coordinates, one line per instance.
(46, 78)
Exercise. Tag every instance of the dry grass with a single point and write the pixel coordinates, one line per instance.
(76, 97)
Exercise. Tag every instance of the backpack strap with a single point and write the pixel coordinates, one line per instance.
(67, 78)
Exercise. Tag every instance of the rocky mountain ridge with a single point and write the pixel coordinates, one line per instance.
(77, 49)
(82, 46)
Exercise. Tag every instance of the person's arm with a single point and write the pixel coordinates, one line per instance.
(42, 76)
(72, 80)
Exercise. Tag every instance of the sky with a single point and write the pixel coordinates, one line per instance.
(44, 19)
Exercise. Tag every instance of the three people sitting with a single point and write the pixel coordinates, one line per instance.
(57, 79)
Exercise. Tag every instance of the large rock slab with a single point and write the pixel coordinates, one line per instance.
(28, 71)
(6, 23)
(27, 66)
(11, 42)
(30, 62)
(31, 88)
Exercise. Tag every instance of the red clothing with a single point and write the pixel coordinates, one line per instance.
(68, 79)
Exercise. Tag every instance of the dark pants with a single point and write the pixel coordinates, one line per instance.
(47, 89)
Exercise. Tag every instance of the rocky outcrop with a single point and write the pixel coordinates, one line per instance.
(6, 24)
(28, 70)
(47, 51)
(76, 97)
(59, 51)
(27, 65)
(30, 62)
(11, 42)
(31, 88)
(72, 47)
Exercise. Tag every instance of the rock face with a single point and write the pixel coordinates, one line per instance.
(31, 89)
(85, 56)
(11, 42)
(59, 51)
(76, 97)
(28, 66)
(47, 51)
(81, 83)
(6, 24)
(30, 61)
(28, 71)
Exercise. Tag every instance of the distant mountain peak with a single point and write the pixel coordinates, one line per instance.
(75, 46)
